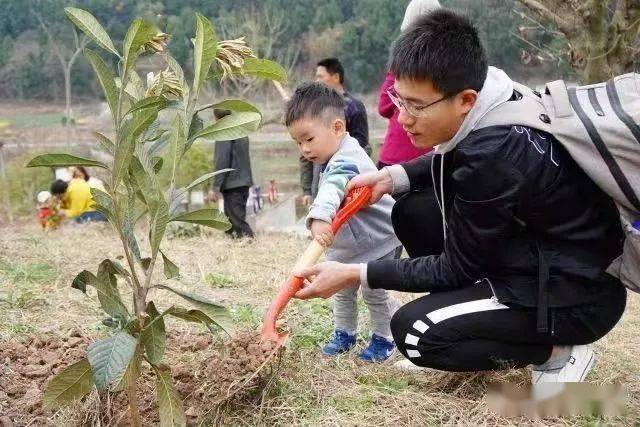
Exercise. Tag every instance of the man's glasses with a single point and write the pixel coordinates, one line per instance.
(412, 109)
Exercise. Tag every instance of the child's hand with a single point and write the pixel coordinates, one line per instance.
(321, 231)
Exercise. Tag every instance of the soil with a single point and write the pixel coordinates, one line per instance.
(212, 375)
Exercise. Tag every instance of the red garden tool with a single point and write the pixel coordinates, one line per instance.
(356, 199)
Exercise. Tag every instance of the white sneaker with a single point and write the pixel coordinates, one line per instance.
(406, 365)
(580, 363)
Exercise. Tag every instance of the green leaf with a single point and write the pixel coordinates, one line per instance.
(110, 357)
(216, 312)
(237, 105)
(156, 102)
(140, 32)
(154, 335)
(265, 69)
(171, 271)
(132, 128)
(195, 127)
(71, 384)
(206, 177)
(158, 207)
(207, 217)
(132, 373)
(63, 160)
(90, 26)
(106, 79)
(233, 126)
(129, 222)
(177, 143)
(135, 88)
(106, 285)
(103, 203)
(204, 52)
(193, 315)
(83, 279)
(157, 164)
(169, 401)
(106, 144)
(177, 69)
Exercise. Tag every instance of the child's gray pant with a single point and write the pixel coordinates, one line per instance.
(380, 303)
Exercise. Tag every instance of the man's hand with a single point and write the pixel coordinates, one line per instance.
(306, 200)
(321, 231)
(326, 279)
(379, 181)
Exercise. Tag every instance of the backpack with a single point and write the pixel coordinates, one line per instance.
(599, 125)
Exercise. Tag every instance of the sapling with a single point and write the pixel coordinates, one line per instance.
(142, 146)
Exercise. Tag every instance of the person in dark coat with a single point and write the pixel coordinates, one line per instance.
(516, 271)
(233, 186)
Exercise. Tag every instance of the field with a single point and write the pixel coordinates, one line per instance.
(45, 324)
(36, 300)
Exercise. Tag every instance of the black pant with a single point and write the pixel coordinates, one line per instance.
(465, 329)
(235, 208)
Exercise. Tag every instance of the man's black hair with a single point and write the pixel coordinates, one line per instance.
(333, 66)
(314, 101)
(58, 187)
(443, 48)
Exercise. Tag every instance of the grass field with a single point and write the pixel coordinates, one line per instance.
(36, 298)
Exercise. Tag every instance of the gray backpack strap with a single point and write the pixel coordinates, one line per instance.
(559, 99)
(528, 111)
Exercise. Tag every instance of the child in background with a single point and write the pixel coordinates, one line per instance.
(48, 207)
(315, 119)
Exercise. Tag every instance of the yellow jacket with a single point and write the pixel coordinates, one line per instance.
(78, 198)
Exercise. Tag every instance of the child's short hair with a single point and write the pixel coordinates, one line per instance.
(443, 48)
(59, 187)
(314, 101)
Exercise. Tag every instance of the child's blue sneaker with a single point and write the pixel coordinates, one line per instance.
(379, 349)
(341, 342)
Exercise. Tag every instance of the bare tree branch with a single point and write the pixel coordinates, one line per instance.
(566, 26)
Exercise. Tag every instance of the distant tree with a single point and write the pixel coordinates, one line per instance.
(66, 55)
(602, 36)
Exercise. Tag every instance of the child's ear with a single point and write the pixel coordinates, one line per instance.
(339, 126)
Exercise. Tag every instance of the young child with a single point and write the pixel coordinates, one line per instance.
(48, 207)
(315, 119)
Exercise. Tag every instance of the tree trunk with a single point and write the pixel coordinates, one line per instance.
(67, 93)
(597, 67)
(599, 45)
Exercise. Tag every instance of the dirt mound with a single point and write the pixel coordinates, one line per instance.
(25, 369)
(210, 376)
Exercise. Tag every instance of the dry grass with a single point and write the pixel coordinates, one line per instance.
(35, 274)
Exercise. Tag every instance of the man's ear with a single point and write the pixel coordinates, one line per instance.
(467, 100)
(339, 126)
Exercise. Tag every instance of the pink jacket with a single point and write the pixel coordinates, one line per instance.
(397, 147)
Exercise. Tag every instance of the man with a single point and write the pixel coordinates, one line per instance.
(233, 186)
(516, 274)
(331, 72)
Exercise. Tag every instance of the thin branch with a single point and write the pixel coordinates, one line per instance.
(56, 47)
(549, 54)
(565, 26)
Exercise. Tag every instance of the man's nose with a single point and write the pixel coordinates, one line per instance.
(405, 118)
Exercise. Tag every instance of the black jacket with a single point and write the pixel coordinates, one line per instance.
(235, 155)
(518, 210)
